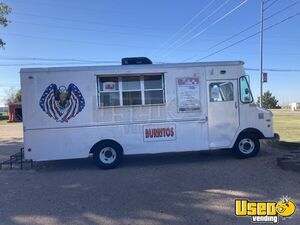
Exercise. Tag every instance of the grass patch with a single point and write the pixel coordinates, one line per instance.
(3, 113)
(3, 122)
(3, 118)
(287, 125)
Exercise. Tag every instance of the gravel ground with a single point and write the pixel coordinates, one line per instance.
(165, 189)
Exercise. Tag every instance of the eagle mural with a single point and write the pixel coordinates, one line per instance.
(62, 103)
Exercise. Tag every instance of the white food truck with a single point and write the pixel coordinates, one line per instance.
(138, 108)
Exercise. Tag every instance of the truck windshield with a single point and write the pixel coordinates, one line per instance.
(245, 92)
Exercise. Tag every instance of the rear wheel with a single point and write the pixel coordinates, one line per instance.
(246, 146)
(107, 155)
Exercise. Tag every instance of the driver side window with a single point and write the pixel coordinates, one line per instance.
(245, 92)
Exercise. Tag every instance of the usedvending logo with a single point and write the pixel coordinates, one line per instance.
(62, 103)
(265, 211)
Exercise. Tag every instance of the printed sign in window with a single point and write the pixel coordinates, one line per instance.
(188, 94)
(160, 132)
(221, 92)
(109, 86)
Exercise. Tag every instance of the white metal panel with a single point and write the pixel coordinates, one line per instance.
(66, 143)
(86, 81)
(33, 86)
(221, 72)
(249, 118)
(117, 68)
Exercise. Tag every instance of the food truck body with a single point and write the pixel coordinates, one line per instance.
(111, 111)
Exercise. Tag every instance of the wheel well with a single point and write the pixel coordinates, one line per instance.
(103, 142)
(258, 134)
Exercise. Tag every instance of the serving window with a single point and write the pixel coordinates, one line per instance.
(133, 90)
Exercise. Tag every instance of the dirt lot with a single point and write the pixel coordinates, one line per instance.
(189, 188)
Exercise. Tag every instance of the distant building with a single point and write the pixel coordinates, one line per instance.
(15, 112)
(295, 106)
(3, 109)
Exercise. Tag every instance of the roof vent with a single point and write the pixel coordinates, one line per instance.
(136, 61)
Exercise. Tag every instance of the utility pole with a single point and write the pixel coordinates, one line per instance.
(261, 49)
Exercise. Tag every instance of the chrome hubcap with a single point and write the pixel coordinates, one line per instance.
(246, 146)
(108, 155)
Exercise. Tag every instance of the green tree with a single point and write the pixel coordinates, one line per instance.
(268, 101)
(18, 96)
(4, 11)
(13, 96)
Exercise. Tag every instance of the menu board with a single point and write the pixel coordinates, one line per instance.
(188, 94)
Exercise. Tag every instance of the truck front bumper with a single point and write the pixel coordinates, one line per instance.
(276, 137)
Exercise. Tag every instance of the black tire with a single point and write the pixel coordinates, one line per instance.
(107, 155)
(246, 146)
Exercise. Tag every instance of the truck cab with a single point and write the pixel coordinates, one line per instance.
(234, 119)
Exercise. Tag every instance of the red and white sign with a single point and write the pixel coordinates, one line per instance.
(160, 132)
(109, 86)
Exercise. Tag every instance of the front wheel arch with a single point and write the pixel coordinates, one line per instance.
(253, 131)
(105, 141)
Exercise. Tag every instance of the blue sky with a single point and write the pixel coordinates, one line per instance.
(108, 30)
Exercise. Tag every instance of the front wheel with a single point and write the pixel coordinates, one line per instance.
(107, 155)
(246, 146)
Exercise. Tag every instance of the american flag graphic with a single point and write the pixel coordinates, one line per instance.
(62, 103)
